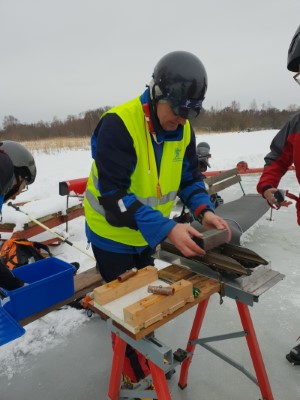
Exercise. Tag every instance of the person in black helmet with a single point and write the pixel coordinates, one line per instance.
(144, 152)
(285, 151)
(17, 170)
(203, 153)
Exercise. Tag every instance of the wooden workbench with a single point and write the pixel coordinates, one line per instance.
(172, 273)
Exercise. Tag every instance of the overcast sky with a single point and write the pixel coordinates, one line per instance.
(64, 57)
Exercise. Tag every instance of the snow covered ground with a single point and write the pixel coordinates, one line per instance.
(44, 362)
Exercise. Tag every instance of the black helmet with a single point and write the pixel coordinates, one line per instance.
(6, 173)
(22, 159)
(293, 60)
(182, 80)
(203, 153)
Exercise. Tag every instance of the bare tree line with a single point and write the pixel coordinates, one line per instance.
(74, 126)
(233, 119)
(213, 120)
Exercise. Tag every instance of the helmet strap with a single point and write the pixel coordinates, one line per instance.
(14, 189)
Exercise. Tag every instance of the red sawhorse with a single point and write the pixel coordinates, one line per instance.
(249, 333)
(162, 360)
(158, 376)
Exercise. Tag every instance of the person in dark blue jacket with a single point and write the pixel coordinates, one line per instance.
(144, 152)
(129, 223)
(17, 170)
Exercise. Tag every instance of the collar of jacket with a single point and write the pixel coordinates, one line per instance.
(161, 134)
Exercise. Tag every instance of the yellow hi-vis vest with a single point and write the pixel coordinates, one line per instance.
(145, 181)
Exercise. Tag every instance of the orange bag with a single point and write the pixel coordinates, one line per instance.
(18, 252)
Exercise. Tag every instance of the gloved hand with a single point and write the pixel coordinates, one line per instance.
(272, 199)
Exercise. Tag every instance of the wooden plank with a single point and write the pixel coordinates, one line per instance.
(174, 272)
(211, 180)
(7, 227)
(223, 185)
(206, 285)
(51, 221)
(115, 289)
(86, 282)
(155, 307)
(207, 288)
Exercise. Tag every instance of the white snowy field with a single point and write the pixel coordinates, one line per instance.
(276, 316)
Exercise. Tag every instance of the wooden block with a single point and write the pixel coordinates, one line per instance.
(174, 273)
(116, 289)
(154, 307)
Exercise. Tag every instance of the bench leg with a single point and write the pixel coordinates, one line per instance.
(160, 382)
(117, 368)
(255, 353)
(194, 334)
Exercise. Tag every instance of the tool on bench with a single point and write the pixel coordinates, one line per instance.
(51, 231)
(243, 273)
(226, 257)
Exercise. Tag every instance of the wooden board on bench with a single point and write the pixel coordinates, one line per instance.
(221, 181)
(147, 321)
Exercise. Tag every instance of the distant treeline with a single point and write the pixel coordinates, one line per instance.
(223, 120)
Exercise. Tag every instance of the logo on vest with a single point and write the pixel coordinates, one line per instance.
(177, 156)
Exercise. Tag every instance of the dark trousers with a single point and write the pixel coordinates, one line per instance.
(111, 265)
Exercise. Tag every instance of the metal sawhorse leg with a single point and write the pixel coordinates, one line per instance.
(249, 332)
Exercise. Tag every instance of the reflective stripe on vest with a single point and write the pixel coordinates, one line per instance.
(148, 201)
(144, 179)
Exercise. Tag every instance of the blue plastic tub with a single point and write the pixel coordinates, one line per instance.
(50, 281)
(10, 329)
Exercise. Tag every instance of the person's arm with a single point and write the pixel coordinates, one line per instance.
(7, 280)
(278, 161)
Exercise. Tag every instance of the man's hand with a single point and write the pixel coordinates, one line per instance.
(271, 199)
(181, 236)
(211, 221)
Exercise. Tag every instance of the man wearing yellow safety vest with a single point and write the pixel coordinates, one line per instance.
(144, 152)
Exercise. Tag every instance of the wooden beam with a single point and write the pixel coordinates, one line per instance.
(155, 307)
(116, 289)
(206, 286)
